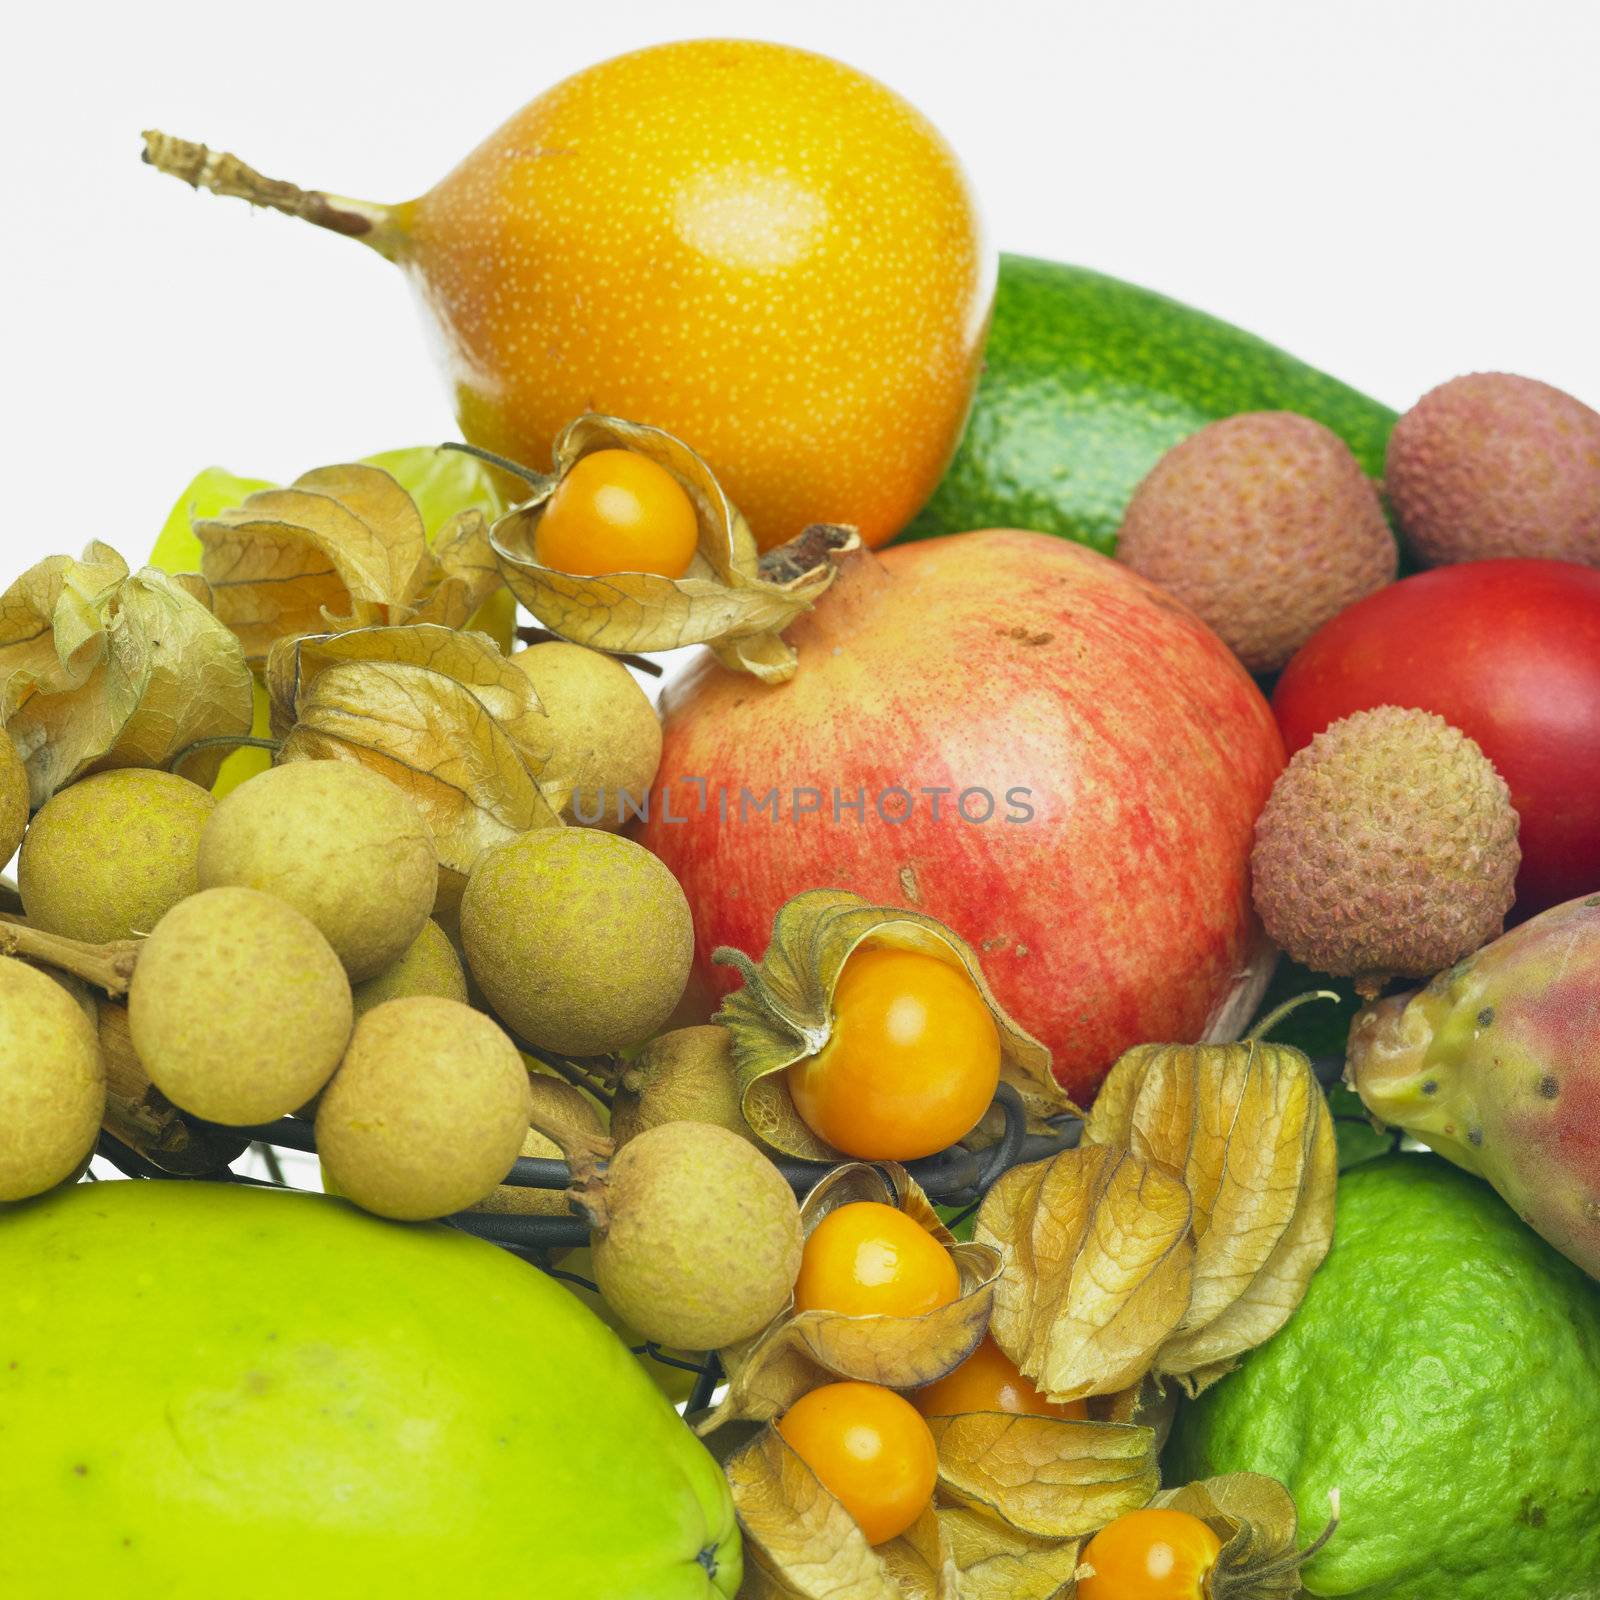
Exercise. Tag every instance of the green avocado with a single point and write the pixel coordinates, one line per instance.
(203, 1384)
(1088, 381)
(1443, 1374)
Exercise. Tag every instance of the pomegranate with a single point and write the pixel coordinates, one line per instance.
(1015, 735)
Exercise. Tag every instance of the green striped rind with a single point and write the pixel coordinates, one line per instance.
(1088, 381)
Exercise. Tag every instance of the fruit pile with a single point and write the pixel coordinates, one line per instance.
(982, 870)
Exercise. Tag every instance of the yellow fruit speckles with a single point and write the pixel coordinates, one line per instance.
(758, 249)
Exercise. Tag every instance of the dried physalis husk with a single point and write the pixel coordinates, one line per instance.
(801, 1349)
(800, 1541)
(994, 1562)
(784, 1011)
(440, 713)
(100, 668)
(1096, 1264)
(1047, 1477)
(1246, 1128)
(1256, 1521)
(730, 598)
(341, 547)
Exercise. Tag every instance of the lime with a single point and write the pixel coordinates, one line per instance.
(1443, 1373)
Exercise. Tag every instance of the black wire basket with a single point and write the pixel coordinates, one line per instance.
(957, 1178)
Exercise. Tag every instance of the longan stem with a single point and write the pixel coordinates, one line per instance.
(596, 1079)
(224, 174)
(106, 966)
(141, 1117)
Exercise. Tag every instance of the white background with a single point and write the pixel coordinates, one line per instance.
(1397, 190)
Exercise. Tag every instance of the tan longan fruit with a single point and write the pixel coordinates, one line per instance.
(52, 1082)
(604, 730)
(430, 965)
(239, 1008)
(580, 940)
(108, 857)
(427, 1110)
(341, 844)
(13, 798)
(701, 1246)
(686, 1075)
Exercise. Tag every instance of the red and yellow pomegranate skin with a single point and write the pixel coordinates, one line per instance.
(1119, 911)
(758, 249)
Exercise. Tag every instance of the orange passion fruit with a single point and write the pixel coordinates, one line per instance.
(760, 250)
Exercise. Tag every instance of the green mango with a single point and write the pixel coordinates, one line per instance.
(204, 1383)
(1088, 381)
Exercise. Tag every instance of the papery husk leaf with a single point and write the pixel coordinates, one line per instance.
(796, 1534)
(472, 660)
(101, 669)
(722, 600)
(1051, 1477)
(802, 1349)
(994, 1562)
(467, 573)
(1097, 1263)
(919, 1561)
(51, 626)
(1255, 1518)
(784, 1011)
(1246, 1127)
(415, 705)
(341, 547)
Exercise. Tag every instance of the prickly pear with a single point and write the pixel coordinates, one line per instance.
(1495, 1064)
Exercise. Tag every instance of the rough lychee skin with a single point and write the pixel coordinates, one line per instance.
(1495, 465)
(1265, 526)
(1388, 848)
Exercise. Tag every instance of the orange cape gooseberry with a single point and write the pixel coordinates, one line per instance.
(758, 249)
(870, 1449)
(911, 1063)
(988, 1380)
(1153, 1554)
(871, 1259)
(617, 511)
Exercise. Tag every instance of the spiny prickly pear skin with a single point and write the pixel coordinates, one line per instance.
(1496, 1065)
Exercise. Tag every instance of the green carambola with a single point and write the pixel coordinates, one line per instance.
(1443, 1374)
(200, 1381)
(1088, 381)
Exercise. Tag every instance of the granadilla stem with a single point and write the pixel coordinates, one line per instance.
(203, 168)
